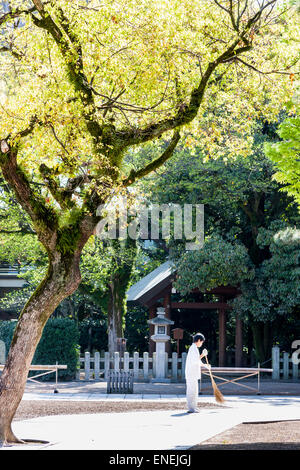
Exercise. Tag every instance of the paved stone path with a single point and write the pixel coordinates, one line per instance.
(142, 430)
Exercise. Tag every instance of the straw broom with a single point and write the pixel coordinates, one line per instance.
(218, 395)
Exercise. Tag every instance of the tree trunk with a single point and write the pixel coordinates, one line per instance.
(61, 280)
(115, 315)
(268, 340)
(125, 255)
(262, 337)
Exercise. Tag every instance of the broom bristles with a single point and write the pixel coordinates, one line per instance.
(218, 395)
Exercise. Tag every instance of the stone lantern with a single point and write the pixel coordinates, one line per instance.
(160, 338)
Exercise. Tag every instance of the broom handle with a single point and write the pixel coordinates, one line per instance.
(209, 368)
(218, 395)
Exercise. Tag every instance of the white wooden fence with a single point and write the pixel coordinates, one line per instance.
(142, 366)
(285, 366)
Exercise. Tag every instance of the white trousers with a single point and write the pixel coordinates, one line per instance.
(191, 394)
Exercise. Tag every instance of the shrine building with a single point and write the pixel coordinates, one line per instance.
(156, 290)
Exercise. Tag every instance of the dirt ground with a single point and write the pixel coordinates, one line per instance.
(284, 435)
(33, 409)
(281, 435)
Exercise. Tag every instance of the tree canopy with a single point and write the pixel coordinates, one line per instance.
(90, 74)
(85, 82)
(251, 234)
(286, 156)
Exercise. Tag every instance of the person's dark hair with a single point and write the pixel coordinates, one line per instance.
(197, 337)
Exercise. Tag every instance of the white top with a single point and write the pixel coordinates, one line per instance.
(193, 363)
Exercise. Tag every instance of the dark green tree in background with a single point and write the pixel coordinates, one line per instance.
(251, 236)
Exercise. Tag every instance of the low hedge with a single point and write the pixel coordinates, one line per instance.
(59, 343)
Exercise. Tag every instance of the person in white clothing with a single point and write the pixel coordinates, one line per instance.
(193, 370)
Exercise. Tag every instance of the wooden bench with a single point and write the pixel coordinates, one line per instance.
(119, 381)
(241, 372)
(48, 368)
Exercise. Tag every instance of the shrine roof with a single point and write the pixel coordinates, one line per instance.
(150, 285)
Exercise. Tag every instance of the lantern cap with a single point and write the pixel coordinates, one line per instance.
(160, 321)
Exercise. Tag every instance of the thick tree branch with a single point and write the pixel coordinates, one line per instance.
(63, 195)
(137, 174)
(127, 137)
(189, 111)
(63, 200)
(186, 113)
(13, 52)
(71, 52)
(268, 72)
(44, 217)
(11, 15)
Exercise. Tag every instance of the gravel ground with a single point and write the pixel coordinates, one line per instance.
(33, 409)
(280, 435)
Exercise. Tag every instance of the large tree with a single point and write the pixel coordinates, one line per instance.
(106, 270)
(106, 267)
(86, 81)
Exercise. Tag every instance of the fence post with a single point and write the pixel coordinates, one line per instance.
(285, 365)
(87, 365)
(117, 361)
(2, 352)
(276, 363)
(135, 365)
(146, 365)
(166, 364)
(183, 361)
(174, 365)
(97, 365)
(126, 361)
(106, 364)
(154, 364)
(295, 370)
(78, 368)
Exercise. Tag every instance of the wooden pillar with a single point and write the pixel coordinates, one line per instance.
(167, 306)
(238, 342)
(152, 314)
(222, 338)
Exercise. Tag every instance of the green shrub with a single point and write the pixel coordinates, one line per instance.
(93, 334)
(6, 332)
(59, 343)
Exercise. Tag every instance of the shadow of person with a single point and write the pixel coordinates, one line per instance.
(185, 413)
